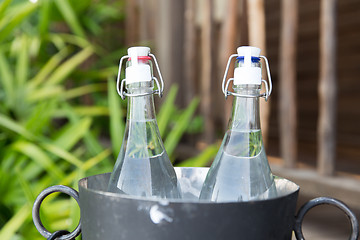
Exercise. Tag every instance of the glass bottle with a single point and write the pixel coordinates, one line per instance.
(143, 167)
(240, 171)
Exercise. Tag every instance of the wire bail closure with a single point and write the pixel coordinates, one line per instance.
(120, 84)
(268, 86)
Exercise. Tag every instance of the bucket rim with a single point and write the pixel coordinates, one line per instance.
(83, 186)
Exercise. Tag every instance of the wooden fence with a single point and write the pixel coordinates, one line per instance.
(194, 38)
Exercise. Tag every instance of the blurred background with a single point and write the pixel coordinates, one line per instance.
(61, 118)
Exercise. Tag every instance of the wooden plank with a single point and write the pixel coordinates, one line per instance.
(227, 47)
(190, 51)
(308, 74)
(257, 38)
(163, 41)
(169, 42)
(244, 26)
(206, 69)
(287, 96)
(146, 23)
(131, 22)
(327, 89)
(177, 43)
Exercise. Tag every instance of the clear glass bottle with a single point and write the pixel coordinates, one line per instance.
(143, 167)
(240, 171)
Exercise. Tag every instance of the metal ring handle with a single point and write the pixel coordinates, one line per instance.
(36, 207)
(325, 200)
(57, 234)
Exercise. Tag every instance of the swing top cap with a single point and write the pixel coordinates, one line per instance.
(248, 51)
(138, 72)
(247, 73)
(138, 51)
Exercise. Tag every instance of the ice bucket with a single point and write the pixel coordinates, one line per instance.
(110, 216)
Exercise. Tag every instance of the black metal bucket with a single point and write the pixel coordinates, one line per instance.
(112, 216)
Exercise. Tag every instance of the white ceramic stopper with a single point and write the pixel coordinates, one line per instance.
(138, 72)
(247, 74)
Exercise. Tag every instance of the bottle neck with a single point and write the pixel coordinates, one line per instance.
(141, 108)
(142, 138)
(245, 112)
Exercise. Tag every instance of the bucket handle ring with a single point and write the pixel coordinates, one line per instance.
(60, 235)
(325, 200)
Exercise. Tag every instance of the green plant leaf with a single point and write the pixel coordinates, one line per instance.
(181, 124)
(203, 159)
(72, 133)
(93, 111)
(103, 73)
(44, 93)
(166, 110)
(10, 228)
(117, 124)
(15, 127)
(45, 10)
(39, 119)
(58, 42)
(74, 206)
(34, 47)
(70, 17)
(30, 170)
(21, 14)
(91, 142)
(22, 64)
(63, 154)
(79, 91)
(49, 67)
(67, 67)
(92, 25)
(7, 79)
(7, 177)
(38, 156)
(25, 186)
(79, 41)
(3, 6)
(90, 163)
(95, 160)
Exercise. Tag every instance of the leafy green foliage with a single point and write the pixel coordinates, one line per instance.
(174, 123)
(47, 131)
(117, 129)
(173, 138)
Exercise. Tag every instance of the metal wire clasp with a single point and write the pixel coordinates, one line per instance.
(120, 84)
(268, 87)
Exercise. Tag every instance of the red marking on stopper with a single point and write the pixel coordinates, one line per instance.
(142, 58)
